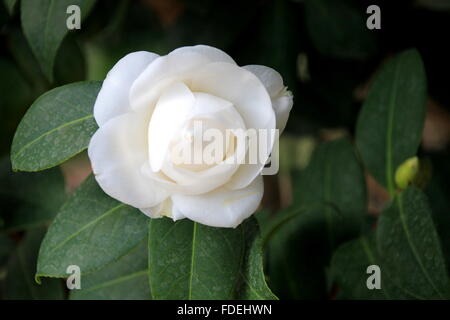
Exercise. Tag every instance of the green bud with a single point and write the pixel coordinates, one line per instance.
(406, 172)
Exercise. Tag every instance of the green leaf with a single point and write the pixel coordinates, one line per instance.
(299, 250)
(349, 265)
(389, 127)
(335, 177)
(188, 260)
(125, 279)
(26, 61)
(191, 261)
(91, 231)
(349, 271)
(253, 282)
(57, 126)
(44, 25)
(19, 283)
(329, 208)
(10, 4)
(405, 247)
(410, 249)
(70, 65)
(30, 199)
(338, 29)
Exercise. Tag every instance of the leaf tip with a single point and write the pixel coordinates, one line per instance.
(37, 278)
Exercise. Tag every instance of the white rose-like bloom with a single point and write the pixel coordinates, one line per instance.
(148, 101)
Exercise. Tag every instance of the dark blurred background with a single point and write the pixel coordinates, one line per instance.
(322, 48)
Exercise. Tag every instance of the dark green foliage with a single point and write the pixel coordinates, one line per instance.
(371, 85)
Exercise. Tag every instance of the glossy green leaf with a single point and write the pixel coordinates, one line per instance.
(70, 65)
(19, 282)
(336, 178)
(26, 62)
(389, 127)
(191, 261)
(253, 284)
(299, 249)
(330, 202)
(125, 279)
(349, 270)
(57, 126)
(410, 249)
(349, 265)
(44, 25)
(91, 231)
(405, 247)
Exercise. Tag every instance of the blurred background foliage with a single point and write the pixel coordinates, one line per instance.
(327, 58)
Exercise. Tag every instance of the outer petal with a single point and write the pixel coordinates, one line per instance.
(271, 79)
(113, 98)
(117, 151)
(221, 207)
(282, 99)
(213, 54)
(282, 106)
(165, 209)
(160, 74)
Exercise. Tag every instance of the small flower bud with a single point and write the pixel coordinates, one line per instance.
(407, 172)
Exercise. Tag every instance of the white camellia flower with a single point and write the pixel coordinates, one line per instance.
(148, 105)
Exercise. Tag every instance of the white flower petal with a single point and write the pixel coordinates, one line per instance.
(282, 99)
(213, 54)
(152, 212)
(249, 171)
(210, 107)
(240, 87)
(170, 113)
(117, 151)
(160, 74)
(221, 207)
(164, 209)
(282, 106)
(198, 184)
(212, 113)
(252, 101)
(270, 78)
(113, 98)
